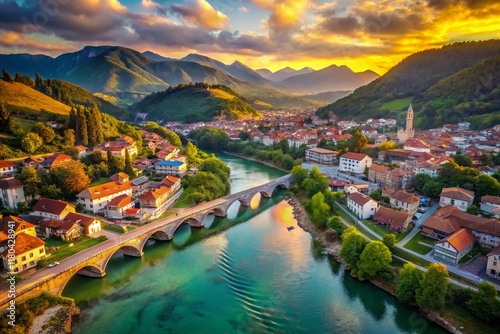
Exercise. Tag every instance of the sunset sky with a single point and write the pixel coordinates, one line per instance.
(260, 33)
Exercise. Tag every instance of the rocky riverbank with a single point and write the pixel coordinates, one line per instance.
(55, 320)
(333, 248)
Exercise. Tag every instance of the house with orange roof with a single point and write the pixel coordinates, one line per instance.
(7, 168)
(117, 207)
(493, 264)
(11, 192)
(25, 254)
(396, 221)
(119, 177)
(417, 145)
(56, 160)
(361, 205)
(354, 162)
(455, 246)
(491, 205)
(51, 208)
(67, 230)
(171, 182)
(397, 178)
(154, 198)
(456, 196)
(96, 198)
(16, 224)
(400, 199)
(89, 224)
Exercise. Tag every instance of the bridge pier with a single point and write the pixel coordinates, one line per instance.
(91, 272)
(131, 251)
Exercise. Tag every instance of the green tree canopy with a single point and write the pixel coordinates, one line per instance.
(45, 132)
(389, 240)
(299, 174)
(484, 303)
(433, 287)
(319, 210)
(408, 283)
(357, 142)
(353, 244)
(375, 258)
(487, 185)
(420, 181)
(31, 142)
(462, 160)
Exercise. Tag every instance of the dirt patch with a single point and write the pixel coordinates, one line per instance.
(44, 319)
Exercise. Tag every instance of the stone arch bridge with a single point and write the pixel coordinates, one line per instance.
(92, 262)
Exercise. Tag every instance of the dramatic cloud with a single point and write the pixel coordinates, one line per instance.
(150, 4)
(201, 13)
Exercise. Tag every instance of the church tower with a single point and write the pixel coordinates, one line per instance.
(409, 132)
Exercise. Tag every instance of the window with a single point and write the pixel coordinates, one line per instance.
(31, 255)
(23, 258)
(495, 263)
(32, 263)
(41, 250)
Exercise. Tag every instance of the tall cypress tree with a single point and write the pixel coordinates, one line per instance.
(98, 124)
(91, 129)
(81, 128)
(128, 165)
(72, 119)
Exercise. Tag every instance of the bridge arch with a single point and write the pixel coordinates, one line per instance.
(128, 250)
(85, 269)
(159, 234)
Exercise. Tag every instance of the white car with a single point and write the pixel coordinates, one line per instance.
(53, 264)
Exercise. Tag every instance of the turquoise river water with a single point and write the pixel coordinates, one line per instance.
(242, 274)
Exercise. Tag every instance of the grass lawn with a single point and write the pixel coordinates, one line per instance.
(460, 317)
(412, 258)
(383, 230)
(397, 105)
(166, 214)
(415, 244)
(130, 228)
(469, 256)
(185, 200)
(100, 181)
(112, 228)
(67, 249)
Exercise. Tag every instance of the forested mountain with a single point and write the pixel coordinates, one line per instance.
(288, 72)
(331, 78)
(156, 57)
(193, 103)
(389, 95)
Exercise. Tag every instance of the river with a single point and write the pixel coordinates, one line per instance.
(242, 274)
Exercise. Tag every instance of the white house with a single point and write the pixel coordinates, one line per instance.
(354, 162)
(417, 145)
(96, 198)
(117, 207)
(171, 167)
(493, 265)
(51, 208)
(491, 205)
(11, 193)
(458, 197)
(28, 250)
(455, 246)
(363, 206)
(7, 168)
(321, 155)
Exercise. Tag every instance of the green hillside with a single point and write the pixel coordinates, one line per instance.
(193, 103)
(471, 94)
(411, 77)
(23, 100)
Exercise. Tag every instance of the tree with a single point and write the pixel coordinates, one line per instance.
(387, 145)
(420, 181)
(6, 76)
(433, 287)
(336, 224)
(408, 283)
(473, 210)
(31, 142)
(484, 303)
(244, 135)
(191, 153)
(389, 240)
(29, 177)
(115, 164)
(71, 179)
(487, 185)
(4, 117)
(69, 138)
(319, 210)
(353, 244)
(283, 145)
(299, 174)
(81, 133)
(128, 169)
(45, 132)
(462, 160)
(375, 258)
(432, 189)
(357, 142)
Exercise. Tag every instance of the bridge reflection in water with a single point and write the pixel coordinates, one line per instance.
(92, 262)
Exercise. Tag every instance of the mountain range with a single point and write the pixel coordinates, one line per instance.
(128, 75)
(458, 82)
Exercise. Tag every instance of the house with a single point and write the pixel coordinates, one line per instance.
(491, 205)
(140, 185)
(11, 193)
(337, 184)
(493, 264)
(448, 220)
(82, 151)
(15, 224)
(119, 177)
(118, 148)
(117, 207)
(171, 167)
(321, 156)
(400, 199)
(28, 250)
(458, 197)
(56, 160)
(363, 206)
(171, 182)
(417, 145)
(89, 224)
(32, 162)
(96, 198)
(354, 162)
(356, 188)
(154, 198)
(396, 221)
(396, 178)
(67, 230)
(51, 208)
(455, 246)
(7, 168)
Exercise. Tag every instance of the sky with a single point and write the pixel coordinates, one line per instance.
(270, 34)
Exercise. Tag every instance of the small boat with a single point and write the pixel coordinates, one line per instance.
(289, 228)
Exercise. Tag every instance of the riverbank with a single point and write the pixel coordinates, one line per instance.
(257, 160)
(333, 249)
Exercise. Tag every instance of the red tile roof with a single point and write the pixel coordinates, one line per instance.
(51, 206)
(104, 190)
(458, 194)
(460, 240)
(359, 198)
(85, 221)
(120, 201)
(392, 217)
(19, 224)
(10, 183)
(25, 243)
(491, 199)
(354, 156)
(405, 197)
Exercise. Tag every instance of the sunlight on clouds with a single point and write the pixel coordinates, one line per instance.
(200, 12)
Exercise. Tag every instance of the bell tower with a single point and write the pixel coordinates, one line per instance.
(409, 119)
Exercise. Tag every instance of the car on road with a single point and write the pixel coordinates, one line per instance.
(422, 210)
(53, 264)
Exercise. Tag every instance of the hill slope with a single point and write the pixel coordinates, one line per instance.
(413, 76)
(23, 100)
(194, 103)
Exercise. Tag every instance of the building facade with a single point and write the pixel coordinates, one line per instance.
(354, 162)
(361, 205)
(321, 156)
